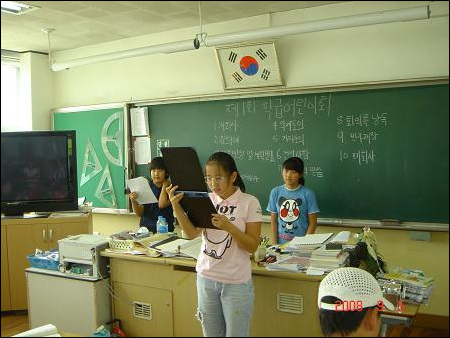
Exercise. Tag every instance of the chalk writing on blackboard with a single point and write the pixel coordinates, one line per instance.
(363, 149)
(161, 143)
(357, 132)
(287, 120)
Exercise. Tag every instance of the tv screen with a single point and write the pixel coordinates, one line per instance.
(39, 171)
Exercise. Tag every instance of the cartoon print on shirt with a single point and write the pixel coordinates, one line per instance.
(289, 213)
(217, 248)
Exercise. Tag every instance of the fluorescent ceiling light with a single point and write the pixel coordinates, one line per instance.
(16, 7)
(406, 14)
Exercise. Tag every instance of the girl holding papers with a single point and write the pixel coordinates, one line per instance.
(149, 212)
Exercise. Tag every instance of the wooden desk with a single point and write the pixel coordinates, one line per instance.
(165, 289)
(403, 317)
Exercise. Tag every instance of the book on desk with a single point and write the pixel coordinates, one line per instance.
(181, 247)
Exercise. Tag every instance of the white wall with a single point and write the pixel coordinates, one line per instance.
(36, 91)
(42, 92)
(24, 105)
(377, 53)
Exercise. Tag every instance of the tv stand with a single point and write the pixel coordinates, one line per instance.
(38, 215)
(25, 216)
(20, 237)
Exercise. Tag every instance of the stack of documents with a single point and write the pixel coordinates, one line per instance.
(328, 259)
(417, 286)
(289, 263)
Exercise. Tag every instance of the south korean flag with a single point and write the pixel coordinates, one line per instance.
(254, 65)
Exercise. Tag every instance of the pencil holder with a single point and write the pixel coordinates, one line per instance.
(121, 244)
(393, 292)
(260, 253)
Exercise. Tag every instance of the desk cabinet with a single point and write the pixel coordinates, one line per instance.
(285, 308)
(168, 292)
(145, 310)
(6, 304)
(155, 280)
(23, 236)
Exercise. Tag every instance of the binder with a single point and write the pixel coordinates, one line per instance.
(309, 240)
(185, 170)
(183, 247)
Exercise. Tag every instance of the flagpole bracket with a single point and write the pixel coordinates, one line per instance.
(196, 43)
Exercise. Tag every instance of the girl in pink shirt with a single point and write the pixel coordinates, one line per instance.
(224, 282)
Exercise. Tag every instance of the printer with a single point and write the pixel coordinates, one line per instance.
(80, 256)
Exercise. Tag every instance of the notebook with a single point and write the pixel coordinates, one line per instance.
(183, 247)
(309, 240)
(185, 170)
(191, 248)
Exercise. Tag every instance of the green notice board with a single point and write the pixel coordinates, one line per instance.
(101, 160)
(369, 154)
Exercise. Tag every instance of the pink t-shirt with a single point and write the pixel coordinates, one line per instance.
(221, 259)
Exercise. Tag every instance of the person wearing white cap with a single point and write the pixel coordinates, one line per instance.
(349, 301)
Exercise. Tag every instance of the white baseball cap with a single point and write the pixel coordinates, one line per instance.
(352, 284)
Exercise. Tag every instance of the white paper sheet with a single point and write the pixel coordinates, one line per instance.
(315, 271)
(142, 187)
(142, 152)
(41, 331)
(342, 237)
(139, 121)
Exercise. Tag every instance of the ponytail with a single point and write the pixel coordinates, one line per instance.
(239, 182)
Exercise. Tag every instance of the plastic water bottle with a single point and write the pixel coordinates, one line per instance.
(161, 225)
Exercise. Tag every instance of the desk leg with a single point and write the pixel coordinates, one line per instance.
(393, 320)
(383, 329)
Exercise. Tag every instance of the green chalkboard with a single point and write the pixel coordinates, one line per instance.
(101, 160)
(369, 154)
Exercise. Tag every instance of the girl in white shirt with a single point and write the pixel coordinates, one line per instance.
(224, 281)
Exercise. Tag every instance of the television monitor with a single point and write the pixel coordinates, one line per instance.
(39, 172)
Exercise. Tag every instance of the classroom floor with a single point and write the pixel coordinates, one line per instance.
(16, 322)
(13, 322)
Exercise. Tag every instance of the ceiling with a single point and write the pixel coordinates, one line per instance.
(83, 23)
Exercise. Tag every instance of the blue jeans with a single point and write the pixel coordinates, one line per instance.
(224, 310)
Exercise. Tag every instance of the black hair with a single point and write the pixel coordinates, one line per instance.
(227, 163)
(296, 164)
(158, 163)
(340, 322)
